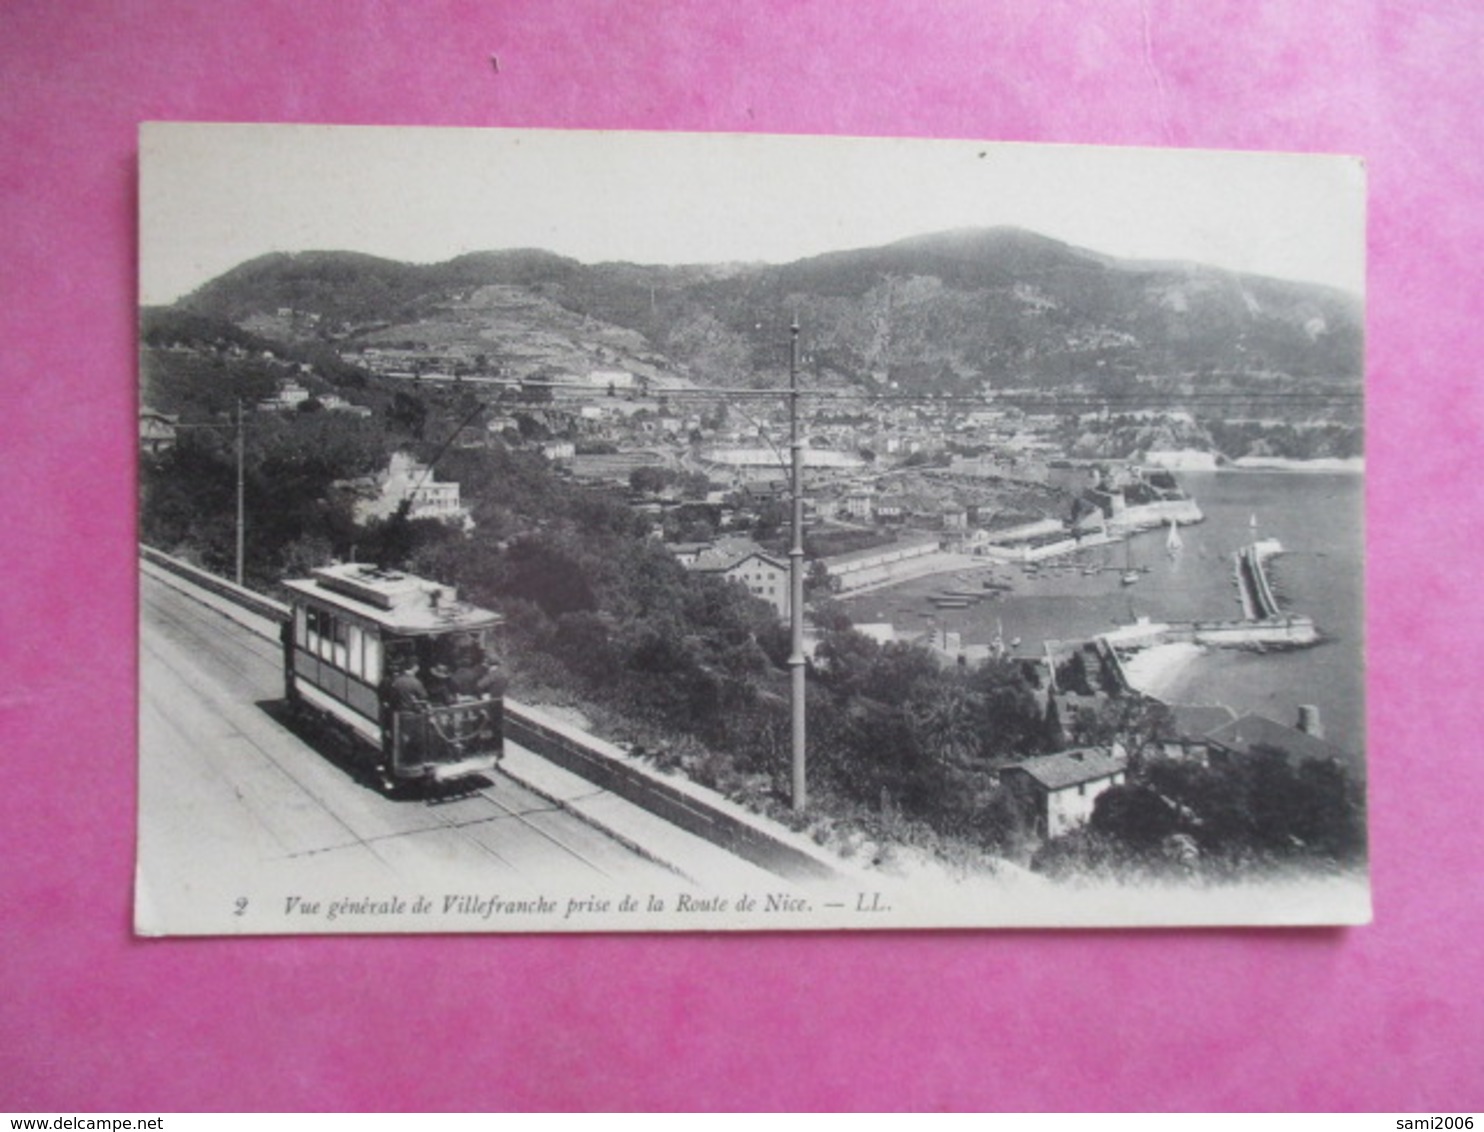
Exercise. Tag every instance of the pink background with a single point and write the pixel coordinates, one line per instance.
(1384, 1017)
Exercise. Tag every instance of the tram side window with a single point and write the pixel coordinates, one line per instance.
(326, 642)
(365, 654)
(301, 626)
(354, 636)
(371, 672)
(313, 631)
(340, 638)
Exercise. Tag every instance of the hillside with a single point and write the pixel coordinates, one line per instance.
(952, 311)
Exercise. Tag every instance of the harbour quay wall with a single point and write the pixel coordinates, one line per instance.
(880, 564)
(1041, 551)
(1145, 516)
(1280, 631)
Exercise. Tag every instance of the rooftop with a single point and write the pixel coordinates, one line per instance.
(1246, 734)
(1069, 768)
(1196, 721)
(401, 603)
(724, 554)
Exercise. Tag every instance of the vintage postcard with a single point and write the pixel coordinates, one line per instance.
(559, 531)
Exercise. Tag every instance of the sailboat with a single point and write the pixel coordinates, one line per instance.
(1130, 575)
(1173, 543)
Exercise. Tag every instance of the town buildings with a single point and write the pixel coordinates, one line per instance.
(744, 562)
(407, 481)
(156, 431)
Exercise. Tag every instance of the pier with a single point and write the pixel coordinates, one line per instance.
(1258, 602)
(1264, 624)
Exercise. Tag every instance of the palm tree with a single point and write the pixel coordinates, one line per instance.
(947, 723)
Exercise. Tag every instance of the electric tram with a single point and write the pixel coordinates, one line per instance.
(403, 665)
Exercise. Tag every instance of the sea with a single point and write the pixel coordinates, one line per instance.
(1317, 517)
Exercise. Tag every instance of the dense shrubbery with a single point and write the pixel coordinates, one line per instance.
(294, 517)
(1270, 438)
(1264, 810)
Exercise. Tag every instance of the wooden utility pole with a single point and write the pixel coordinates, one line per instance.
(241, 515)
(796, 660)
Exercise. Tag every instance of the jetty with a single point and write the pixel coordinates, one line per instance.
(1258, 602)
(1263, 625)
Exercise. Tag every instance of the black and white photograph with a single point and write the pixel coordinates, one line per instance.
(612, 531)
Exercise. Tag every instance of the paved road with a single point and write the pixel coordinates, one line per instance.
(237, 803)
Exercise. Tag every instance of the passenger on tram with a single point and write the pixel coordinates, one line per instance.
(477, 676)
(440, 684)
(493, 682)
(408, 692)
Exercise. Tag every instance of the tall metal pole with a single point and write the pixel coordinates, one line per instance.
(240, 510)
(796, 574)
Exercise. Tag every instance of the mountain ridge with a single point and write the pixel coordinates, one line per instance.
(969, 307)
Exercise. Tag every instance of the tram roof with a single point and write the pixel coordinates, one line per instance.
(398, 602)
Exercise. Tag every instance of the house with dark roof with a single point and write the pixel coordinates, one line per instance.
(1243, 736)
(1184, 735)
(1058, 791)
(743, 561)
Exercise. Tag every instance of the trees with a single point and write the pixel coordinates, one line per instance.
(1137, 817)
(550, 572)
(1131, 722)
(294, 515)
(947, 721)
(407, 413)
(1248, 813)
(1014, 722)
(650, 480)
(817, 584)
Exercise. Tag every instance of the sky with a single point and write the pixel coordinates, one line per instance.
(215, 195)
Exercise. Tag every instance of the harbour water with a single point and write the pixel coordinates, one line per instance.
(1318, 518)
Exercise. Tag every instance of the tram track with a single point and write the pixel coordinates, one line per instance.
(243, 735)
(195, 656)
(486, 794)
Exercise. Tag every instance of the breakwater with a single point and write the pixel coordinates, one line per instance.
(1258, 602)
(1282, 631)
(1264, 624)
(1264, 621)
(1317, 517)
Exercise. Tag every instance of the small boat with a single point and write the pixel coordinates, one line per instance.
(950, 602)
(1173, 543)
(1130, 577)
